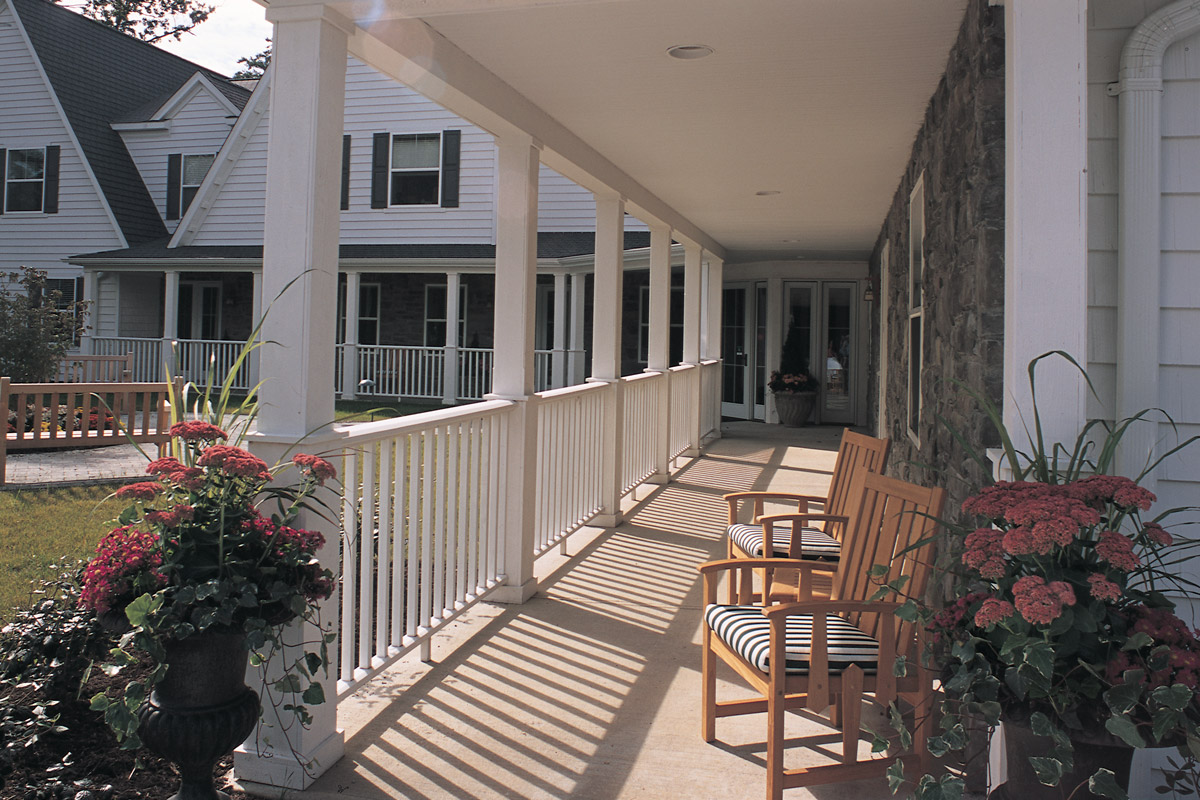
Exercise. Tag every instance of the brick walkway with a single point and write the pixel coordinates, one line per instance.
(75, 467)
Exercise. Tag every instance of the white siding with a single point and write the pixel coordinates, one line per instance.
(30, 118)
(200, 126)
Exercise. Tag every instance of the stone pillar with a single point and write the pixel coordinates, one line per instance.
(1045, 302)
(300, 257)
(512, 377)
(170, 322)
(450, 359)
(659, 346)
(606, 348)
(350, 341)
(558, 363)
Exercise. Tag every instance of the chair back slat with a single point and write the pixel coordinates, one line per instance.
(857, 453)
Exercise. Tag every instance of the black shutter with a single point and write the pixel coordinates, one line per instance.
(3, 175)
(345, 172)
(380, 158)
(451, 145)
(174, 184)
(50, 174)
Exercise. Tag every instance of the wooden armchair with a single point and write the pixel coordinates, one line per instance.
(834, 653)
(804, 533)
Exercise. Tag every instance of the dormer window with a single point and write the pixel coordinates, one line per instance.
(30, 179)
(185, 173)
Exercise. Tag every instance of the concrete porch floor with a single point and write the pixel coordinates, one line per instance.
(590, 689)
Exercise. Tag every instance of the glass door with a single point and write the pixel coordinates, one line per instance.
(734, 352)
(840, 362)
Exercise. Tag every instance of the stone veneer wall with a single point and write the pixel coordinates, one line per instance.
(960, 150)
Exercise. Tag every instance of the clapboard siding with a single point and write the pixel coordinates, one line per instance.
(29, 118)
(140, 304)
(200, 126)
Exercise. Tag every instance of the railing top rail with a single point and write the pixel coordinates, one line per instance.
(432, 348)
(361, 432)
(97, 387)
(685, 367)
(641, 376)
(128, 338)
(708, 362)
(475, 349)
(579, 388)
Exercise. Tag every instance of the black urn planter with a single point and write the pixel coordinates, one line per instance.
(201, 710)
(795, 408)
(1091, 754)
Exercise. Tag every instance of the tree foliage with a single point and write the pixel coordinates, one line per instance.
(148, 20)
(255, 65)
(35, 330)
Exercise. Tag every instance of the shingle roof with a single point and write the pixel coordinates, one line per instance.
(100, 75)
(550, 245)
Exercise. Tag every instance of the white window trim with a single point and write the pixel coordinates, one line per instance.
(9, 181)
(392, 170)
(197, 311)
(362, 312)
(184, 202)
(916, 311)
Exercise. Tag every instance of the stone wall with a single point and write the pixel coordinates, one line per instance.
(960, 151)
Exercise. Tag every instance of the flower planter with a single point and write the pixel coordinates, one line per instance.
(1091, 753)
(795, 408)
(201, 710)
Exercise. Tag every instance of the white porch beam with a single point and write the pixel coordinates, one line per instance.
(300, 256)
(1045, 303)
(512, 375)
(415, 54)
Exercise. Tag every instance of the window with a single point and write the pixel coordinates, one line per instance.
(30, 180)
(368, 313)
(70, 299)
(916, 307)
(675, 331)
(415, 169)
(199, 310)
(185, 173)
(435, 314)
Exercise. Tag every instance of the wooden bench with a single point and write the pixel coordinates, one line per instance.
(835, 653)
(70, 415)
(96, 369)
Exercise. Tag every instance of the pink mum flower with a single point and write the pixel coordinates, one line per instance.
(1157, 534)
(1103, 588)
(1116, 489)
(1117, 550)
(197, 431)
(235, 462)
(1039, 603)
(992, 611)
(163, 466)
(190, 478)
(139, 491)
(985, 552)
(319, 468)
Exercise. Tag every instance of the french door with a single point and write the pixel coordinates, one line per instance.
(823, 316)
(743, 348)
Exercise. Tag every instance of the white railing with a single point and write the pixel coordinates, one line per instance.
(643, 396)
(474, 372)
(685, 383)
(710, 397)
(423, 522)
(543, 371)
(197, 359)
(399, 371)
(147, 354)
(570, 438)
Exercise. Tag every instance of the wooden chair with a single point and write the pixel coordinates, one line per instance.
(803, 534)
(834, 653)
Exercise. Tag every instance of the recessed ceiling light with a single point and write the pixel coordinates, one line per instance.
(688, 52)
(766, 192)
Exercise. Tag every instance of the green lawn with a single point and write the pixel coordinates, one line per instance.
(39, 527)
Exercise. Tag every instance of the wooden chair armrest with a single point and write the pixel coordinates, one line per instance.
(830, 607)
(712, 567)
(808, 498)
(802, 518)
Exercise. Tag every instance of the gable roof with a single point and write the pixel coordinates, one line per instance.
(98, 76)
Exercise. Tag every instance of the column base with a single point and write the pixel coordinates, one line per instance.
(606, 520)
(282, 769)
(514, 595)
(659, 479)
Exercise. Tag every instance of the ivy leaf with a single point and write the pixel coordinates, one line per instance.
(908, 612)
(1104, 783)
(878, 570)
(895, 776)
(900, 667)
(1175, 697)
(288, 683)
(1123, 697)
(141, 608)
(1040, 656)
(1124, 729)
(1049, 770)
(314, 695)
(1137, 641)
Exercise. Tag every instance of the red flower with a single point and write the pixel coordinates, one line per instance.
(992, 611)
(139, 491)
(163, 466)
(235, 462)
(1040, 603)
(127, 561)
(1103, 588)
(197, 431)
(319, 468)
(985, 552)
(190, 478)
(1105, 489)
(1157, 534)
(1117, 550)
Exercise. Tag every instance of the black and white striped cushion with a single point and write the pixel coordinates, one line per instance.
(748, 632)
(816, 544)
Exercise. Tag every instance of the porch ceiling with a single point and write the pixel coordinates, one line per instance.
(818, 100)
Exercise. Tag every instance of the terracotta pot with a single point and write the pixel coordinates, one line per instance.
(795, 407)
(201, 710)
(1091, 753)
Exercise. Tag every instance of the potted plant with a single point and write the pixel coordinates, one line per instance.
(792, 385)
(204, 570)
(1060, 623)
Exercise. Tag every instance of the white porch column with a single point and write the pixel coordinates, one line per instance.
(712, 340)
(89, 299)
(170, 321)
(450, 362)
(256, 307)
(606, 348)
(300, 256)
(350, 344)
(1045, 302)
(578, 360)
(512, 375)
(558, 363)
(659, 346)
(693, 302)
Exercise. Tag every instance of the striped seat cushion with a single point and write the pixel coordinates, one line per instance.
(748, 633)
(816, 544)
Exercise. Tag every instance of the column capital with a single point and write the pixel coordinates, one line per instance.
(282, 11)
